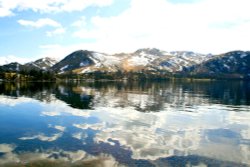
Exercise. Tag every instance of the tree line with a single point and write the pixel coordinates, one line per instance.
(31, 75)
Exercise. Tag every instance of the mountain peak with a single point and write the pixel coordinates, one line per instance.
(186, 53)
(81, 51)
(148, 59)
(151, 51)
(42, 64)
(77, 59)
(15, 66)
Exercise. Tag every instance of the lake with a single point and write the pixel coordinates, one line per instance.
(170, 123)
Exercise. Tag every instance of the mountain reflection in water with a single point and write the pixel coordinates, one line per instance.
(125, 124)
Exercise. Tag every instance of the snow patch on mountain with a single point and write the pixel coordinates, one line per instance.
(43, 63)
(147, 59)
(178, 60)
(105, 60)
(141, 59)
(64, 68)
(83, 64)
(243, 55)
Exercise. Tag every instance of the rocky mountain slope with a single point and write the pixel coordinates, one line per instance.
(74, 61)
(15, 67)
(143, 59)
(42, 64)
(235, 64)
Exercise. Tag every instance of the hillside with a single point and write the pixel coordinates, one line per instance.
(145, 63)
(42, 64)
(81, 62)
(16, 67)
(235, 64)
(73, 61)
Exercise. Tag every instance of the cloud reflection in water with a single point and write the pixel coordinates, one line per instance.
(151, 125)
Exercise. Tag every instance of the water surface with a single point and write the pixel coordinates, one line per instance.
(125, 124)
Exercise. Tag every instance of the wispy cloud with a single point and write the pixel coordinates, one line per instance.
(171, 26)
(39, 23)
(60, 128)
(8, 8)
(43, 137)
(205, 26)
(45, 22)
(5, 12)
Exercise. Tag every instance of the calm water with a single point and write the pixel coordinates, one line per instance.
(125, 124)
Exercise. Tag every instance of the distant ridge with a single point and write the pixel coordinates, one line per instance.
(234, 64)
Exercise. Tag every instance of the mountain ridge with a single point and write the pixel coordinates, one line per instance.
(43, 63)
(143, 59)
(184, 63)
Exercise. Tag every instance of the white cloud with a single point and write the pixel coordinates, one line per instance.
(63, 158)
(12, 102)
(206, 26)
(39, 23)
(80, 135)
(43, 23)
(90, 126)
(172, 131)
(145, 134)
(79, 5)
(42, 137)
(60, 128)
(203, 26)
(170, 26)
(5, 12)
(47, 6)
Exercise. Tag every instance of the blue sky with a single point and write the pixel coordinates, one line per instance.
(31, 29)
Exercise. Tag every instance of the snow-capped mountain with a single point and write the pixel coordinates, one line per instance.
(75, 60)
(83, 61)
(181, 59)
(176, 61)
(42, 64)
(153, 60)
(235, 64)
(102, 62)
(12, 67)
(143, 59)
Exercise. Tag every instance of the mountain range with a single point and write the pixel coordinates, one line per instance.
(234, 64)
(40, 64)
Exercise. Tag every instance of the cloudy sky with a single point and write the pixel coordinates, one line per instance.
(30, 29)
